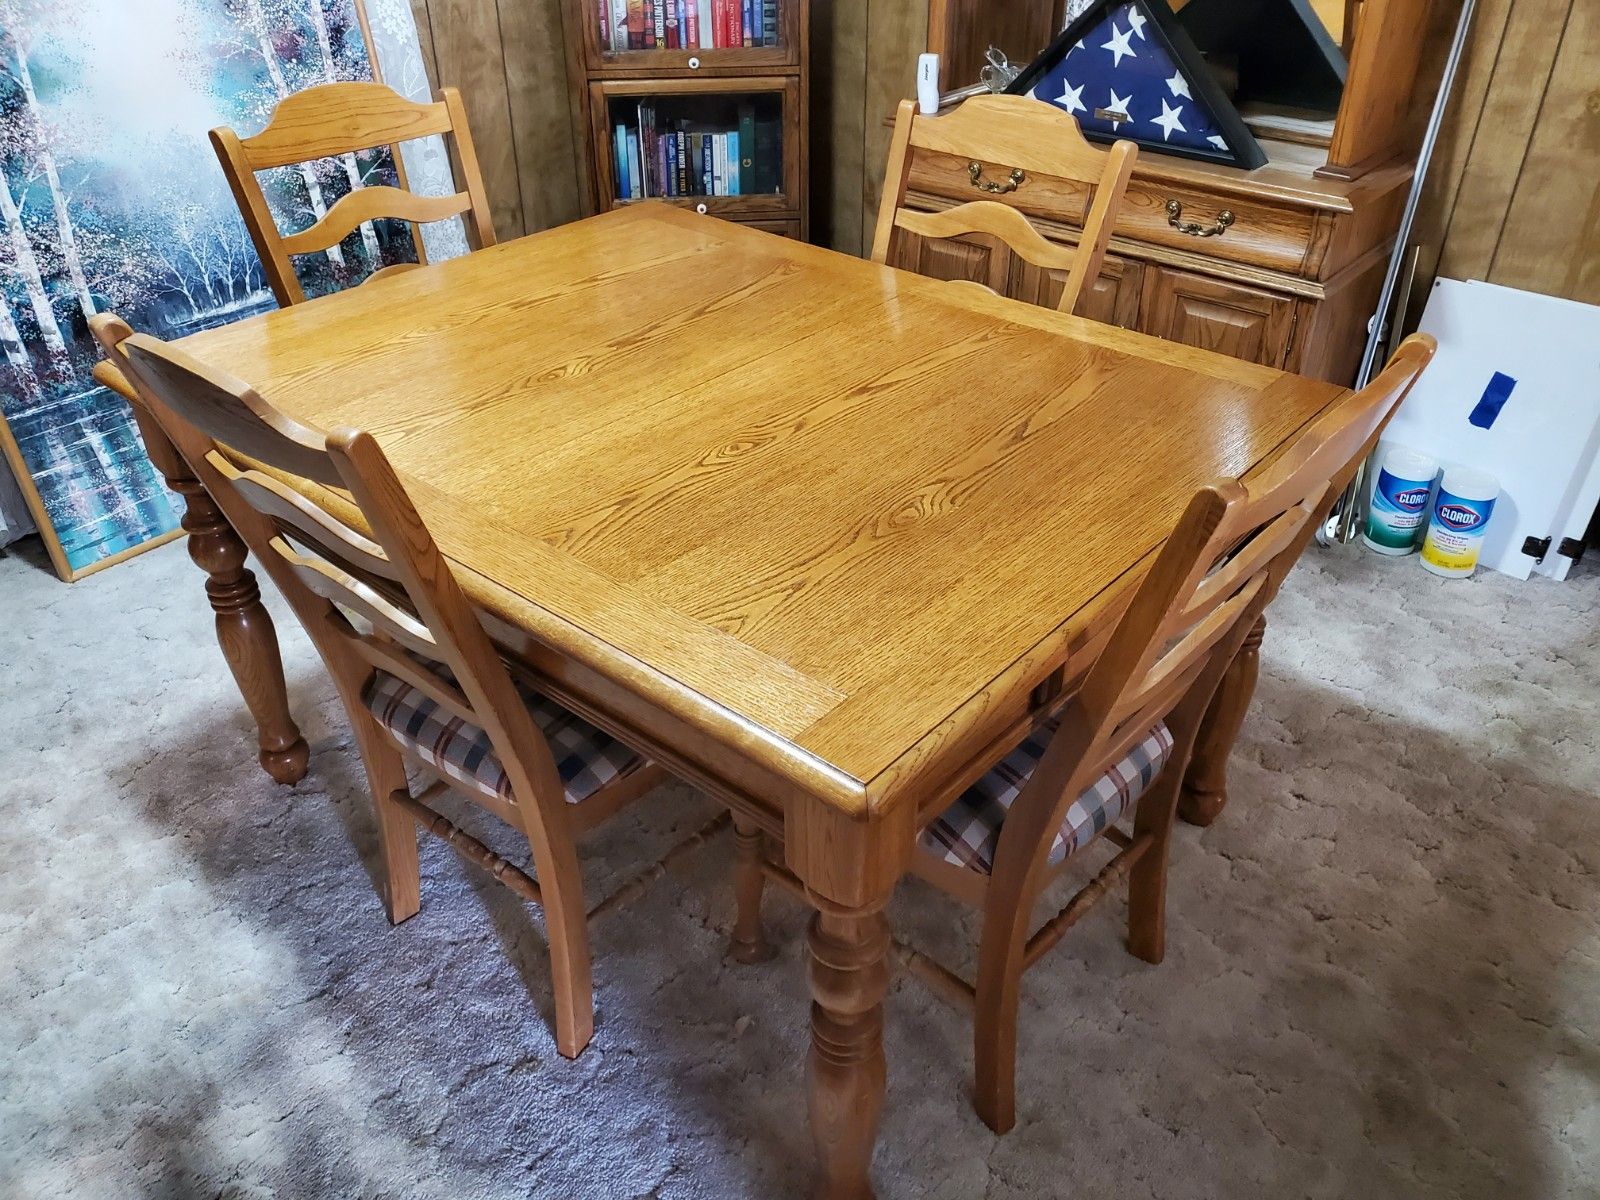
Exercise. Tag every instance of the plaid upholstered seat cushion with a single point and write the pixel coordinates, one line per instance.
(587, 758)
(967, 832)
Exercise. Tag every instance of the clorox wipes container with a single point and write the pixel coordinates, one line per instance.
(1399, 507)
(1460, 516)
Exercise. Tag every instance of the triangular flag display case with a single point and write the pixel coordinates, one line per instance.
(1128, 69)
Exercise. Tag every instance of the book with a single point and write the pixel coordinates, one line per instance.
(730, 178)
(768, 157)
(670, 25)
(704, 34)
(619, 148)
(636, 24)
(706, 180)
(619, 24)
(644, 150)
(605, 23)
(672, 164)
(682, 140)
(769, 22)
(719, 162)
(747, 149)
(747, 24)
(657, 35)
(691, 25)
(635, 182)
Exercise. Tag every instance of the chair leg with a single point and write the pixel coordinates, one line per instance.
(401, 884)
(555, 860)
(749, 942)
(1147, 882)
(994, 1032)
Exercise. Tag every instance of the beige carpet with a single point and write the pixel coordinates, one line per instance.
(1383, 976)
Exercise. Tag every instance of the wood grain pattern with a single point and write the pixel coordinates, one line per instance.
(744, 553)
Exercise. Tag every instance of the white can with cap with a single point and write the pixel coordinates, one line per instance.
(1460, 516)
(1399, 506)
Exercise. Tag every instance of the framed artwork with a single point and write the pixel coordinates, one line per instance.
(111, 200)
(1128, 69)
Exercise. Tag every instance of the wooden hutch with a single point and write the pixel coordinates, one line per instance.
(706, 84)
(1281, 265)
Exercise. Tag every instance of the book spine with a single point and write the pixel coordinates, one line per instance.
(655, 24)
(605, 24)
(664, 179)
(635, 175)
(719, 152)
(730, 164)
(670, 20)
(672, 164)
(619, 24)
(730, 23)
(747, 26)
(619, 160)
(635, 24)
(769, 22)
(768, 158)
(707, 187)
(683, 163)
(747, 149)
(691, 16)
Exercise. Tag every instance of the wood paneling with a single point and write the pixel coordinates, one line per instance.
(1514, 193)
(509, 63)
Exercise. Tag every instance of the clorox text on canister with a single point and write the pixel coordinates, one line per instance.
(1399, 507)
(1460, 515)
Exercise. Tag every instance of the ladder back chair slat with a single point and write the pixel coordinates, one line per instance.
(1029, 138)
(335, 119)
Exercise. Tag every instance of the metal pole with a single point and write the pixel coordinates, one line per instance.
(1344, 524)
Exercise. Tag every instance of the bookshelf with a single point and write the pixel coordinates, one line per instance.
(701, 103)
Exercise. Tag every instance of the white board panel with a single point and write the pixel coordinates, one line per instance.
(1543, 443)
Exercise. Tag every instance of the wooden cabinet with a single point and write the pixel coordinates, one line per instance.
(979, 258)
(1281, 265)
(695, 88)
(1113, 298)
(1242, 322)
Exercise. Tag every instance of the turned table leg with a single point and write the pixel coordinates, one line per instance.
(849, 864)
(1205, 786)
(244, 630)
(849, 979)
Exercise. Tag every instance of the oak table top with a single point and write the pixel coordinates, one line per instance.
(819, 502)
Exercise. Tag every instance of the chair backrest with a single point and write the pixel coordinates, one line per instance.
(1030, 138)
(337, 119)
(396, 579)
(1219, 569)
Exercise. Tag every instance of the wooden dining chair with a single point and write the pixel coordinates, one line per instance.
(337, 119)
(420, 680)
(1029, 137)
(1121, 742)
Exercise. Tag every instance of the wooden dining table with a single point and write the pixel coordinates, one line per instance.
(820, 536)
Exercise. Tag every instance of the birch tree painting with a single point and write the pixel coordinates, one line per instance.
(112, 200)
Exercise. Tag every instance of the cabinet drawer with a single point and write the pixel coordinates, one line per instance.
(1261, 235)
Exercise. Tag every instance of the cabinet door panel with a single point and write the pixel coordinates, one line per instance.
(1232, 319)
(977, 257)
(1113, 298)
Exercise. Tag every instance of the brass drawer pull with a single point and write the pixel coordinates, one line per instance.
(975, 172)
(1194, 228)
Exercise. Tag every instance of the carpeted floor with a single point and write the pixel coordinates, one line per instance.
(1383, 976)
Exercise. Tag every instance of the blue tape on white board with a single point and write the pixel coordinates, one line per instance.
(1494, 399)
